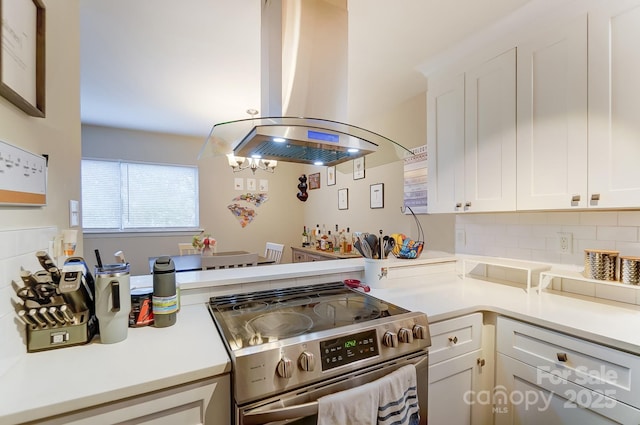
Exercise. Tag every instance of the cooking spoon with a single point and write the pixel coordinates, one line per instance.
(372, 241)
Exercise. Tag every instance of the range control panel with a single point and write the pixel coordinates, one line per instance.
(347, 349)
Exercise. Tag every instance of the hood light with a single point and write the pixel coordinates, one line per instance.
(318, 163)
(353, 150)
(279, 139)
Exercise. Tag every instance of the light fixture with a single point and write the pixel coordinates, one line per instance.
(239, 163)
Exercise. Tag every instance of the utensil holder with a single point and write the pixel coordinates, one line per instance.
(630, 270)
(600, 264)
(375, 272)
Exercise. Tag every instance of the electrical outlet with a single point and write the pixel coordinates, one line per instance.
(565, 242)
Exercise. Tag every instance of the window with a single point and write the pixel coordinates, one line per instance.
(123, 196)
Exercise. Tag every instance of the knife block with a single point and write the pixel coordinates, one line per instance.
(59, 336)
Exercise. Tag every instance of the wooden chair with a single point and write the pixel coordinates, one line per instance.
(186, 248)
(229, 261)
(273, 251)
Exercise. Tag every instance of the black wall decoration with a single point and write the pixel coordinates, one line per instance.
(302, 186)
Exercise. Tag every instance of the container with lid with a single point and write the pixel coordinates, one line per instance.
(600, 264)
(630, 270)
(165, 299)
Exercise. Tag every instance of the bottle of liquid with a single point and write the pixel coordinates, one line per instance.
(317, 236)
(349, 238)
(329, 243)
(336, 240)
(165, 299)
(305, 236)
(343, 242)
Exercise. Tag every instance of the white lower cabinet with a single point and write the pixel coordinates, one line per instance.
(548, 377)
(456, 367)
(203, 402)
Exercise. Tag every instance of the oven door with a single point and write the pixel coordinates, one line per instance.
(301, 406)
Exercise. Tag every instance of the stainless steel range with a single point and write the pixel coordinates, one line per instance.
(291, 346)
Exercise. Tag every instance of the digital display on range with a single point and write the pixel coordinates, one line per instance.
(348, 349)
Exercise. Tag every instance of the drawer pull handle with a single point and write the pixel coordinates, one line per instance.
(562, 357)
(480, 362)
(453, 340)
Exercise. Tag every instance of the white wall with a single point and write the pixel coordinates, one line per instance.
(25, 230)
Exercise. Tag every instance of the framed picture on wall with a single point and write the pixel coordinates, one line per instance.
(343, 199)
(358, 168)
(377, 195)
(314, 181)
(331, 176)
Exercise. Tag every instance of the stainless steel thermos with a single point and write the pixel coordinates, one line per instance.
(113, 302)
(165, 299)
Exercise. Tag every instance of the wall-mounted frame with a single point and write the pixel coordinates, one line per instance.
(22, 55)
(376, 199)
(23, 177)
(331, 176)
(343, 199)
(314, 181)
(358, 168)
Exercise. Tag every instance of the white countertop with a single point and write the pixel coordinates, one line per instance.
(57, 381)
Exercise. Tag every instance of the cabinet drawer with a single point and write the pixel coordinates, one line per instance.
(454, 337)
(585, 363)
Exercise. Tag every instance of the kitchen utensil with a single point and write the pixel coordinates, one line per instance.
(355, 283)
(41, 293)
(358, 248)
(389, 243)
(365, 248)
(113, 302)
(372, 241)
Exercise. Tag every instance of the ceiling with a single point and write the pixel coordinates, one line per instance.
(179, 67)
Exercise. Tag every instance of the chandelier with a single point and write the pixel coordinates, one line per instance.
(239, 163)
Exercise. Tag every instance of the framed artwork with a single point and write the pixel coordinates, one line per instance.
(358, 168)
(343, 199)
(331, 176)
(22, 55)
(377, 195)
(314, 181)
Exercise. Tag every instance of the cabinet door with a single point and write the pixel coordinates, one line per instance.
(207, 401)
(298, 256)
(614, 105)
(490, 135)
(454, 390)
(445, 145)
(527, 395)
(552, 119)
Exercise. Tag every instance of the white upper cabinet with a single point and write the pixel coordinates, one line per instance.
(471, 139)
(552, 118)
(490, 135)
(614, 105)
(445, 144)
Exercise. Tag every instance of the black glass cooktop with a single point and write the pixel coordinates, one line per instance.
(265, 316)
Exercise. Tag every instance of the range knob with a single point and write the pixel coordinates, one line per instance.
(405, 335)
(307, 361)
(390, 339)
(284, 368)
(420, 332)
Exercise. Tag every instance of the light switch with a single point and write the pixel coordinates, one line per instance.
(74, 213)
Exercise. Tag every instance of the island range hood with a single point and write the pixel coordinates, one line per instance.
(304, 74)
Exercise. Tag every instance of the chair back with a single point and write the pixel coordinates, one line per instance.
(186, 248)
(273, 251)
(229, 261)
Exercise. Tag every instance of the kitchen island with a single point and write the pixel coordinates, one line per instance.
(155, 359)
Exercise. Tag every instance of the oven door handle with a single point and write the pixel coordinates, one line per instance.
(281, 414)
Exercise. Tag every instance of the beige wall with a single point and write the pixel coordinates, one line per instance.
(57, 135)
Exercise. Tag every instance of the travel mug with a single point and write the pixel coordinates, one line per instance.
(113, 302)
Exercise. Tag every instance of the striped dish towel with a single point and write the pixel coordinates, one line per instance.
(398, 398)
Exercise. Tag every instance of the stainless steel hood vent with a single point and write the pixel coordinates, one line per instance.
(304, 74)
(299, 140)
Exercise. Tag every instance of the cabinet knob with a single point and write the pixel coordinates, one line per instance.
(595, 197)
(575, 198)
(458, 205)
(453, 340)
(467, 205)
(562, 357)
(284, 368)
(480, 362)
(390, 339)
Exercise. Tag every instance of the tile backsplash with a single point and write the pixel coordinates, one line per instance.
(534, 235)
(17, 250)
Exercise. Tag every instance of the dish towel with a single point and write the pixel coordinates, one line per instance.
(398, 398)
(390, 400)
(355, 406)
